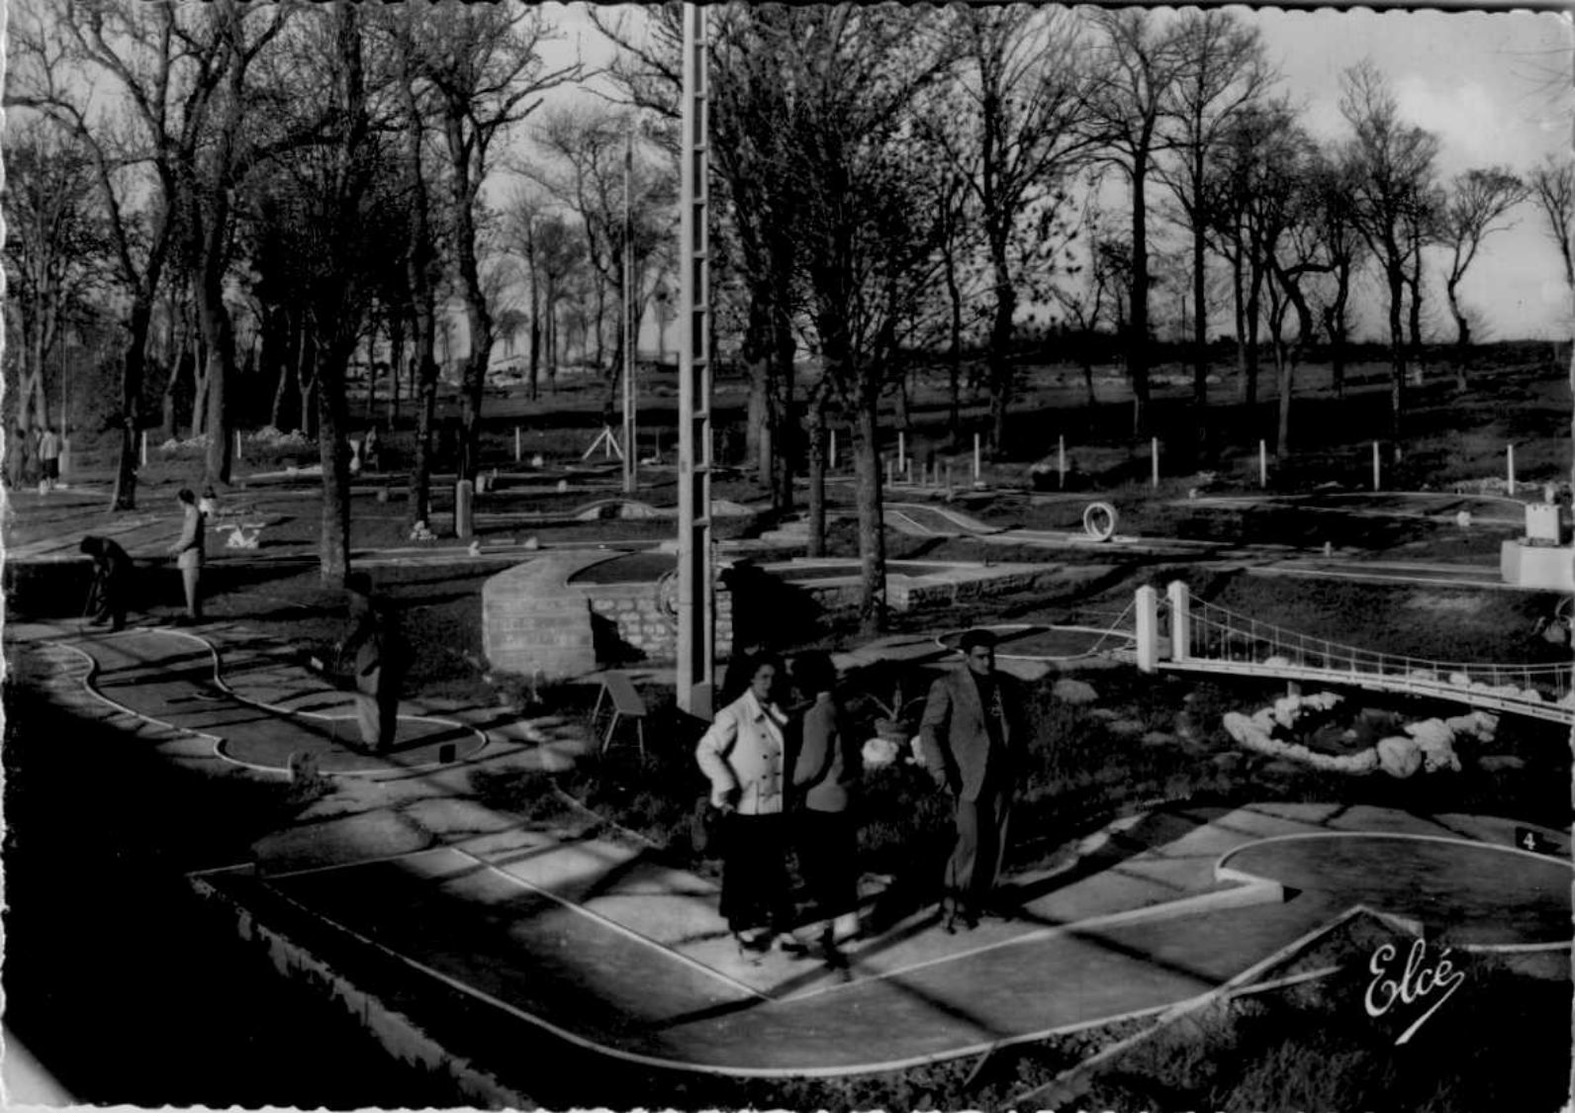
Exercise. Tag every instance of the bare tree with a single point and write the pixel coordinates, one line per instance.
(1330, 190)
(1221, 70)
(1016, 136)
(1089, 295)
(56, 249)
(1237, 212)
(1478, 201)
(752, 153)
(869, 223)
(327, 207)
(1553, 189)
(57, 48)
(1134, 68)
(483, 70)
(1392, 166)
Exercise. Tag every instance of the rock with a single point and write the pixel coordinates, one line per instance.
(1228, 761)
(1399, 756)
(1157, 739)
(1074, 691)
(1501, 763)
(1102, 714)
(1126, 727)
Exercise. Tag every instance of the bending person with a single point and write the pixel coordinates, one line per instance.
(110, 594)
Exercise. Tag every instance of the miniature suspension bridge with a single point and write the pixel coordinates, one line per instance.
(1209, 638)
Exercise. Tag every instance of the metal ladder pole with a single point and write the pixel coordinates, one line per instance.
(696, 615)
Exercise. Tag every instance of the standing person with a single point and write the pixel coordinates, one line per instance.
(824, 775)
(372, 451)
(189, 551)
(376, 652)
(743, 754)
(969, 733)
(16, 458)
(112, 578)
(48, 460)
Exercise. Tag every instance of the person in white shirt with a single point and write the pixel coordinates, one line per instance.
(743, 754)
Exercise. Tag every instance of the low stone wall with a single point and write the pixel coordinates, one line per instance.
(642, 623)
(533, 620)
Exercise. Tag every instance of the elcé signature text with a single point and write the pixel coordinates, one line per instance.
(1416, 980)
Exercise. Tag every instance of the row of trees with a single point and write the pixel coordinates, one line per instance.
(891, 175)
(888, 181)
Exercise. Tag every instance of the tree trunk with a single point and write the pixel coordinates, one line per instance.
(333, 449)
(817, 477)
(306, 381)
(1254, 309)
(218, 338)
(420, 510)
(125, 495)
(785, 439)
(954, 353)
(1462, 331)
(535, 331)
(477, 317)
(758, 443)
(371, 369)
(1200, 339)
(1137, 342)
(396, 364)
(872, 535)
(999, 357)
(1396, 354)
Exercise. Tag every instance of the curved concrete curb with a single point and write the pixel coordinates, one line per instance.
(91, 674)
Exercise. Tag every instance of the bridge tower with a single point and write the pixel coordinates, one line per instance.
(696, 611)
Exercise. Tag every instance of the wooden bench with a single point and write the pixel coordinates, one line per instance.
(625, 702)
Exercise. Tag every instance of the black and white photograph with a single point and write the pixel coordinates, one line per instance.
(805, 558)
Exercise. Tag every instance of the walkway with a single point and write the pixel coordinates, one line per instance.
(591, 939)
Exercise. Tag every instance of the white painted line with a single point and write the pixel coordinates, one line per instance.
(596, 916)
(1247, 890)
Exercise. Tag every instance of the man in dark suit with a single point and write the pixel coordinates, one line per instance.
(969, 733)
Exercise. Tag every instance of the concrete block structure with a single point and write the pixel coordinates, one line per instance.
(535, 618)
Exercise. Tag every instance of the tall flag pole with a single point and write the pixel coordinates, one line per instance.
(695, 605)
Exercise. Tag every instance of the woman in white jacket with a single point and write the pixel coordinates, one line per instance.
(743, 754)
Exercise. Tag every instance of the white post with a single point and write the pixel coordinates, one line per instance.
(1376, 467)
(907, 473)
(1180, 622)
(237, 445)
(977, 460)
(1147, 629)
(902, 453)
(1263, 464)
(832, 464)
(144, 447)
(1153, 458)
(1060, 461)
(1510, 467)
(516, 443)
